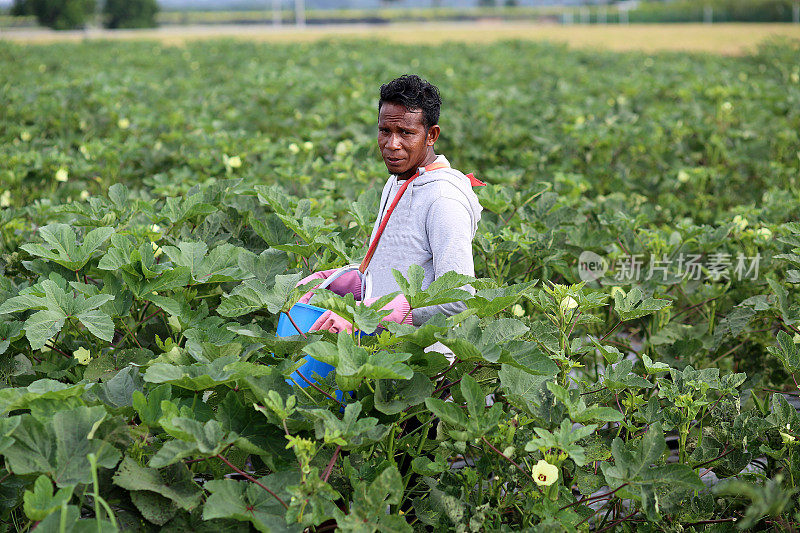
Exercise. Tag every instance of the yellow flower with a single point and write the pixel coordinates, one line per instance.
(5, 199)
(25, 136)
(62, 174)
(683, 176)
(84, 195)
(518, 310)
(568, 303)
(294, 148)
(740, 221)
(615, 290)
(544, 473)
(308, 146)
(764, 233)
(82, 355)
(156, 250)
(343, 147)
(787, 438)
(124, 123)
(233, 162)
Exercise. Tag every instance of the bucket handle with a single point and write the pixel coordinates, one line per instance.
(366, 280)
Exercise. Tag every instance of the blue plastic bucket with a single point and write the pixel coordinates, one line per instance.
(304, 315)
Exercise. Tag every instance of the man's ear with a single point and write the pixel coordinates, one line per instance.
(433, 134)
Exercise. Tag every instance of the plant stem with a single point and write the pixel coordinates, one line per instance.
(251, 478)
(59, 351)
(319, 389)
(296, 327)
(127, 329)
(329, 468)
(611, 330)
(510, 460)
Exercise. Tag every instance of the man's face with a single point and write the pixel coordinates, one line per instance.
(402, 138)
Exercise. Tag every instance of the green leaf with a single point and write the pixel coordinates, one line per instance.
(247, 502)
(149, 407)
(202, 376)
(41, 501)
(786, 351)
(222, 264)
(368, 511)
(173, 482)
(394, 396)
(631, 305)
(351, 431)
(183, 208)
(63, 245)
(155, 508)
(355, 363)
(444, 289)
(59, 447)
(447, 411)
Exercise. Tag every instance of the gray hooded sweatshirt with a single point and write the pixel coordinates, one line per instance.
(432, 226)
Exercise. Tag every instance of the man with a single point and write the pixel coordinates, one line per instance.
(434, 216)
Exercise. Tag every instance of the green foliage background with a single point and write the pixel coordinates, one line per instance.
(160, 203)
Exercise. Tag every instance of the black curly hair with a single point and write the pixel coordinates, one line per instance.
(413, 92)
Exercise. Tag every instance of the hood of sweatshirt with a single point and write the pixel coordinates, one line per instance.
(455, 182)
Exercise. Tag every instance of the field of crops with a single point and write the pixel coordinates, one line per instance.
(636, 320)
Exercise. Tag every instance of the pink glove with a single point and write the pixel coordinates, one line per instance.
(349, 282)
(399, 307)
(332, 322)
(400, 313)
(316, 275)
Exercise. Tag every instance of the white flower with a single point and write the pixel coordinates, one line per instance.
(518, 310)
(308, 146)
(124, 123)
(5, 199)
(84, 194)
(740, 221)
(294, 148)
(683, 176)
(727, 107)
(25, 136)
(544, 473)
(62, 174)
(568, 303)
(155, 228)
(82, 355)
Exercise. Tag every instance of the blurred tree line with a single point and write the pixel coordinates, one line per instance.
(72, 14)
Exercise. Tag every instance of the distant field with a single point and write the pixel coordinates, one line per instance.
(728, 39)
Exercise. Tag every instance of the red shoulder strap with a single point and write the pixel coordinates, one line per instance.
(475, 182)
(374, 244)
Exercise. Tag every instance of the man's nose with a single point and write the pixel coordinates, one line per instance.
(394, 142)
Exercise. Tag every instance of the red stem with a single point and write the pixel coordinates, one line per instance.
(329, 468)
(317, 387)
(510, 460)
(251, 478)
